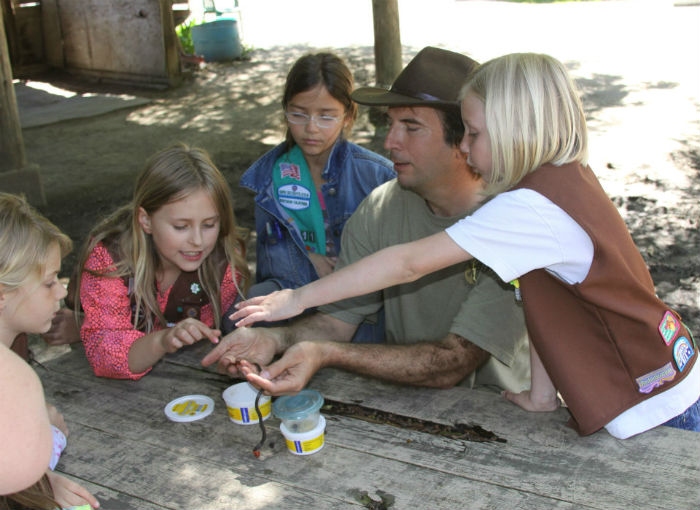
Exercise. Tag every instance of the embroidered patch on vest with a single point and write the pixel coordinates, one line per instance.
(656, 378)
(682, 352)
(669, 327)
(293, 196)
(290, 170)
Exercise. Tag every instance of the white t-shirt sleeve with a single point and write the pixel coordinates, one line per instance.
(519, 231)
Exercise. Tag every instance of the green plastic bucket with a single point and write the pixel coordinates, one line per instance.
(217, 40)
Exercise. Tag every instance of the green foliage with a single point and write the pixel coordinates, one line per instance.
(184, 33)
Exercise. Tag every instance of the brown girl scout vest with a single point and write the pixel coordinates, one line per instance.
(608, 343)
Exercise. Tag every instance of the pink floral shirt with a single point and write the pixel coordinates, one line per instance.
(108, 330)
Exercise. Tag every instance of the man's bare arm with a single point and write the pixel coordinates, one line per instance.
(441, 364)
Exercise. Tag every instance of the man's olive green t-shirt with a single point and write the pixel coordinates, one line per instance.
(485, 313)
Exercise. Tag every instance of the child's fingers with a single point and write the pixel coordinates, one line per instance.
(244, 312)
(248, 302)
(249, 315)
(212, 334)
(189, 332)
(86, 495)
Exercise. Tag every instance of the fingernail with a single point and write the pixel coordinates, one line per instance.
(265, 374)
(215, 341)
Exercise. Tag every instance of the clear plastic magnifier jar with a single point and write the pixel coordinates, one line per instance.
(299, 413)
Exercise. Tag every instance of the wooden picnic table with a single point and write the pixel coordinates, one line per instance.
(124, 449)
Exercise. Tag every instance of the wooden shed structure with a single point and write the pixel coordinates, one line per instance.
(129, 41)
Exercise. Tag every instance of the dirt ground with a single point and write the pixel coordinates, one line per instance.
(644, 132)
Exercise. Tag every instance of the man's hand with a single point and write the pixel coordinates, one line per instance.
(289, 374)
(255, 345)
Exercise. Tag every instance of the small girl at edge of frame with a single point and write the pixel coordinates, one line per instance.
(31, 249)
(620, 358)
(159, 272)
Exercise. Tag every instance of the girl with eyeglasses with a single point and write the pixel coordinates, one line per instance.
(309, 185)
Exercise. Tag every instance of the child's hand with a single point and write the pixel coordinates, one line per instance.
(64, 329)
(68, 493)
(525, 400)
(273, 307)
(187, 332)
(56, 419)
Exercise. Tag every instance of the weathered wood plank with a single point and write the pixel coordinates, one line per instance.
(126, 417)
(139, 457)
(542, 458)
(178, 478)
(542, 454)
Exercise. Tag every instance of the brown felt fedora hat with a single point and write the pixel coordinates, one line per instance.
(433, 78)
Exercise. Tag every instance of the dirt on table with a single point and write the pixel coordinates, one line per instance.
(233, 111)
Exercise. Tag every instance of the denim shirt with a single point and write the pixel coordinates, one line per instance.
(351, 173)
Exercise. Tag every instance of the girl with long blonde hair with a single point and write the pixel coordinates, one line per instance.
(159, 272)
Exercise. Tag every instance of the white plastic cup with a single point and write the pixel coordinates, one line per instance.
(305, 443)
(240, 402)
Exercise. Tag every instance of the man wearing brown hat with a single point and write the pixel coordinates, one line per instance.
(460, 324)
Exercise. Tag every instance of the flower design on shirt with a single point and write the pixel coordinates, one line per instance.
(195, 288)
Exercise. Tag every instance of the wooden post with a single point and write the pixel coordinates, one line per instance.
(53, 40)
(387, 41)
(15, 177)
(11, 143)
(170, 42)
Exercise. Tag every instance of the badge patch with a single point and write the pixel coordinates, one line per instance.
(669, 327)
(293, 196)
(682, 352)
(656, 378)
(290, 170)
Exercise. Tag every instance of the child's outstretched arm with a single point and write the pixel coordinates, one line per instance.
(396, 264)
(542, 395)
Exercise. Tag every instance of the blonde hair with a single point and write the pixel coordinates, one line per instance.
(169, 175)
(25, 240)
(37, 496)
(533, 116)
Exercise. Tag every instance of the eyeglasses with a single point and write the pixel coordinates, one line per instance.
(321, 121)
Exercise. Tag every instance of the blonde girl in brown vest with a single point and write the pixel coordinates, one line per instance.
(31, 249)
(159, 272)
(619, 357)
